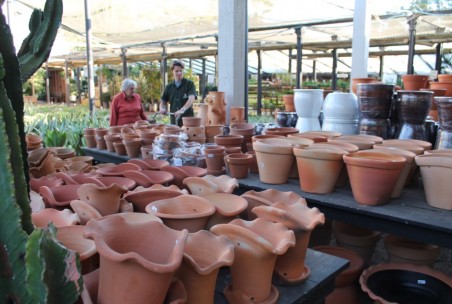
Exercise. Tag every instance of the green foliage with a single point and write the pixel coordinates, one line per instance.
(149, 83)
(39, 82)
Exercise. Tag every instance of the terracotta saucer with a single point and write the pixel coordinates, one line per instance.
(280, 279)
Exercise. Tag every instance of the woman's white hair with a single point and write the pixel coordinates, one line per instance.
(128, 83)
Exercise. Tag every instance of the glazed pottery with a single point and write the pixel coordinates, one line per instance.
(413, 108)
(257, 244)
(405, 283)
(319, 168)
(375, 102)
(58, 197)
(345, 290)
(290, 267)
(341, 113)
(436, 172)
(204, 254)
(183, 212)
(106, 200)
(141, 199)
(131, 270)
(72, 238)
(59, 218)
(308, 103)
(117, 170)
(403, 250)
(227, 207)
(286, 119)
(414, 82)
(147, 178)
(149, 164)
(238, 164)
(355, 238)
(211, 184)
(356, 81)
(373, 176)
(48, 180)
(444, 137)
(269, 197)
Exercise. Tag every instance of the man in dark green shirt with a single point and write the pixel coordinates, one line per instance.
(180, 93)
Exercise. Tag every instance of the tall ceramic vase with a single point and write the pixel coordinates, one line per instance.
(132, 270)
(204, 254)
(257, 244)
(290, 267)
(308, 103)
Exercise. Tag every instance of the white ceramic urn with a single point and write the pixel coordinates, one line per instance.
(308, 103)
(341, 113)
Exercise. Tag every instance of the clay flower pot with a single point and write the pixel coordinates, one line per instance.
(269, 197)
(356, 81)
(131, 270)
(149, 164)
(319, 168)
(405, 283)
(49, 181)
(204, 255)
(211, 184)
(229, 140)
(355, 238)
(257, 245)
(227, 207)
(314, 137)
(402, 250)
(110, 139)
(360, 141)
(182, 172)
(59, 197)
(140, 199)
(85, 211)
(133, 147)
(72, 238)
(147, 178)
(106, 200)
(191, 121)
(288, 101)
(59, 218)
(119, 147)
(373, 176)
(290, 267)
(214, 157)
(183, 212)
(117, 170)
(238, 164)
(414, 82)
(346, 282)
(436, 172)
(421, 143)
(282, 131)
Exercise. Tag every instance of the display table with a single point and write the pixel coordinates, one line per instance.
(408, 216)
(103, 156)
(320, 283)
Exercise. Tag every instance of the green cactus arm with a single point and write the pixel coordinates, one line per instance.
(35, 21)
(39, 43)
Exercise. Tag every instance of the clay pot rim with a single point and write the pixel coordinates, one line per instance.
(409, 156)
(274, 146)
(420, 143)
(300, 141)
(242, 126)
(327, 134)
(434, 160)
(203, 207)
(374, 160)
(416, 92)
(338, 144)
(404, 146)
(76, 233)
(415, 76)
(320, 153)
(281, 130)
(222, 203)
(440, 151)
(256, 137)
(238, 158)
(356, 261)
(264, 197)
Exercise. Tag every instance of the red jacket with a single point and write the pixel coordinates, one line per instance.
(123, 111)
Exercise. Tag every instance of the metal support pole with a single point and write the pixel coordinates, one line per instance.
(289, 70)
(314, 70)
(203, 79)
(382, 62)
(125, 69)
(298, 33)
(99, 83)
(47, 82)
(259, 82)
(438, 53)
(334, 71)
(412, 21)
(246, 63)
(163, 67)
(66, 81)
(89, 58)
(78, 84)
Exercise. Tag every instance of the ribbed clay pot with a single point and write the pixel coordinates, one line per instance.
(131, 270)
(403, 250)
(290, 267)
(257, 245)
(373, 176)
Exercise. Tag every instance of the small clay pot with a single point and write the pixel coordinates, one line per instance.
(238, 164)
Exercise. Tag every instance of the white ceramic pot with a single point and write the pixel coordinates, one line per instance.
(308, 102)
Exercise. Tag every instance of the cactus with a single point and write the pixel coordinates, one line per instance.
(34, 266)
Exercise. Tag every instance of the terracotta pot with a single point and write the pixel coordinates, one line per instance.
(314, 137)
(227, 207)
(319, 168)
(257, 245)
(133, 147)
(346, 282)
(204, 254)
(59, 218)
(131, 270)
(89, 131)
(238, 164)
(229, 140)
(119, 147)
(373, 176)
(358, 239)
(182, 172)
(402, 250)
(149, 164)
(362, 142)
(191, 121)
(236, 115)
(216, 111)
(253, 164)
(213, 130)
(141, 199)
(401, 283)
(104, 199)
(356, 81)
(192, 214)
(72, 238)
(414, 82)
(269, 197)
(436, 172)
(48, 180)
(85, 211)
(117, 170)
(147, 178)
(442, 85)
(211, 184)
(214, 157)
(281, 131)
(256, 137)
(290, 267)
(288, 101)
(202, 113)
(58, 197)
(445, 78)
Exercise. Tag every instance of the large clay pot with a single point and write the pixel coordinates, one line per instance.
(442, 85)
(290, 267)
(216, 108)
(257, 245)
(131, 269)
(341, 113)
(402, 250)
(204, 254)
(236, 115)
(414, 82)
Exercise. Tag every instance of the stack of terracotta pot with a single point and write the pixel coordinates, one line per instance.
(90, 137)
(33, 141)
(194, 130)
(212, 131)
(444, 82)
(247, 130)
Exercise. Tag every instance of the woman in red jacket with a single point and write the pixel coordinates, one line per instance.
(126, 107)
